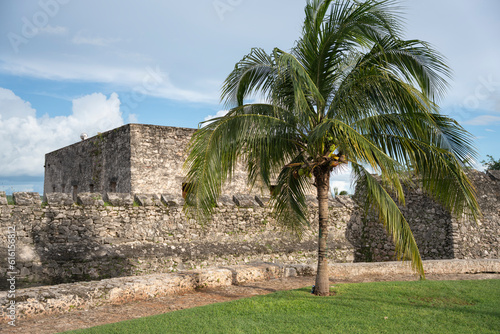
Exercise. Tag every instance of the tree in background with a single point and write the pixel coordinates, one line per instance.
(491, 164)
(351, 92)
(336, 192)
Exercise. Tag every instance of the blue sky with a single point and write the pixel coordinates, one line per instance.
(73, 66)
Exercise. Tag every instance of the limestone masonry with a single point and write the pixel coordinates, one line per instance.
(122, 235)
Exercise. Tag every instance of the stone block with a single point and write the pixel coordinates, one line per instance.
(3, 198)
(119, 199)
(245, 201)
(345, 200)
(262, 201)
(255, 272)
(172, 200)
(90, 199)
(290, 272)
(495, 174)
(24, 272)
(225, 200)
(311, 201)
(27, 198)
(148, 199)
(27, 253)
(213, 278)
(304, 269)
(58, 199)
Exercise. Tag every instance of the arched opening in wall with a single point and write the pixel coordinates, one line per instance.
(63, 187)
(75, 192)
(53, 189)
(91, 186)
(185, 187)
(112, 186)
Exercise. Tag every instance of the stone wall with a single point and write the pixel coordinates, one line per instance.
(481, 240)
(93, 239)
(437, 233)
(124, 234)
(157, 157)
(158, 153)
(98, 164)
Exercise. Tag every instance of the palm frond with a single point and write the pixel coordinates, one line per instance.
(252, 73)
(288, 198)
(216, 149)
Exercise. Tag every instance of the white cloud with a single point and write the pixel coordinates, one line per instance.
(17, 187)
(53, 30)
(219, 113)
(132, 118)
(340, 185)
(83, 37)
(13, 106)
(146, 81)
(489, 130)
(484, 120)
(26, 138)
(341, 179)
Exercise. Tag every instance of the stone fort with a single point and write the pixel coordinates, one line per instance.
(134, 158)
(113, 207)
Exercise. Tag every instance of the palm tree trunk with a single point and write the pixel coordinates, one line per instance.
(322, 178)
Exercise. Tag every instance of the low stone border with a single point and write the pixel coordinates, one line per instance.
(66, 297)
(455, 266)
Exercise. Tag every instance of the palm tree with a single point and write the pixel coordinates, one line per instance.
(351, 92)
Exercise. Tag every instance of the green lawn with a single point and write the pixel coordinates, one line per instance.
(381, 307)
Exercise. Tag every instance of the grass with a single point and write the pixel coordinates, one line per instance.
(380, 307)
(10, 200)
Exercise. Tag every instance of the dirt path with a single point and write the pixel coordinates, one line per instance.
(115, 313)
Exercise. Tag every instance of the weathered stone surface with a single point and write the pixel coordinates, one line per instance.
(225, 200)
(437, 233)
(290, 272)
(26, 198)
(90, 199)
(172, 200)
(27, 254)
(255, 272)
(312, 201)
(119, 199)
(262, 200)
(213, 277)
(495, 174)
(346, 201)
(59, 199)
(148, 199)
(3, 198)
(380, 269)
(304, 269)
(245, 201)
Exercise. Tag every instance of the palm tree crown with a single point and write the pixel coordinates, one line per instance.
(351, 92)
